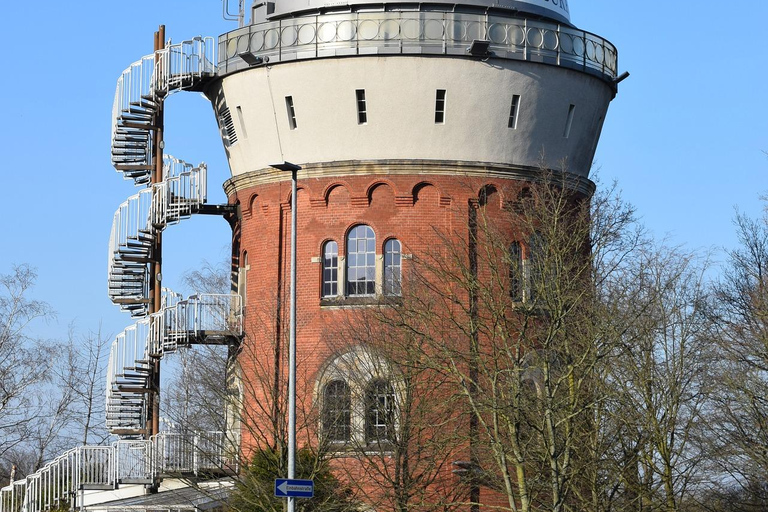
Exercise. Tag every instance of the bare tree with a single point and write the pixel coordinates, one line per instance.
(507, 311)
(89, 353)
(661, 381)
(24, 361)
(385, 414)
(742, 318)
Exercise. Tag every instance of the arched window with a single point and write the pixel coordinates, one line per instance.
(515, 272)
(337, 411)
(361, 261)
(379, 411)
(392, 267)
(330, 269)
(537, 247)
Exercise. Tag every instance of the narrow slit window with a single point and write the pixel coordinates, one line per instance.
(569, 121)
(516, 278)
(330, 269)
(392, 267)
(513, 111)
(362, 113)
(291, 112)
(440, 106)
(242, 122)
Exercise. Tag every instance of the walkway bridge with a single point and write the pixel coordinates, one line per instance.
(199, 319)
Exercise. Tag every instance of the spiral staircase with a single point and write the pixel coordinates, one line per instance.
(137, 459)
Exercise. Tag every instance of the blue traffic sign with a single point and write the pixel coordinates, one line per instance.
(285, 488)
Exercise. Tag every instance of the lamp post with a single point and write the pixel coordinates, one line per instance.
(293, 168)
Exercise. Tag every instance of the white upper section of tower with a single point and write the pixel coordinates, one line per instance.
(557, 10)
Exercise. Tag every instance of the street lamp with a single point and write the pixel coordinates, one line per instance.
(293, 168)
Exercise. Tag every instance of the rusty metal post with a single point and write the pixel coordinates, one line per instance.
(155, 267)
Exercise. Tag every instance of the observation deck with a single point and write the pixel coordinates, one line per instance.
(415, 33)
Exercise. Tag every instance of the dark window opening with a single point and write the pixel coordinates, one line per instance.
(440, 106)
(291, 112)
(516, 272)
(569, 121)
(513, 111)
(362, 114)
(337, 411)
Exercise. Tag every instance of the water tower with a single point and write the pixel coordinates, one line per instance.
(398, 114)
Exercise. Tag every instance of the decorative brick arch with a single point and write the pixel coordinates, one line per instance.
(422, 185)
(377, 183)
(322, 201)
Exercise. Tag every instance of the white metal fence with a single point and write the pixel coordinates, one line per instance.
(123, 462)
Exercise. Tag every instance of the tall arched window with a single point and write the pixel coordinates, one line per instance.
(392, 267)
(330, 269)
(242, 278)
(515, 272)
(379, 411)
(337, 411)
(537, 253)
(361, 261)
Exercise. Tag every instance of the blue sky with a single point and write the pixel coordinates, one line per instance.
(684, 137)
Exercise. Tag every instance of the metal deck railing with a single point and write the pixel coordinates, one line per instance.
(122, 463)
(416, 33)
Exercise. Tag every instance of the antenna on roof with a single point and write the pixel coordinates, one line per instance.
(239, 17)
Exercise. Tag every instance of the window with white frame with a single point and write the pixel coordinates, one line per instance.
(361, 261)
(337, 412)
(392, 267)
(330, 269)
(379, 411)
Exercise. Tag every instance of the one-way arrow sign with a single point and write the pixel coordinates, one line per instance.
(285, 488)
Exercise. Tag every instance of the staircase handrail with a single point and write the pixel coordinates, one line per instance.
(183, 65)
(135, 83)
(144, 213)
(178, 66)
(100, 466)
